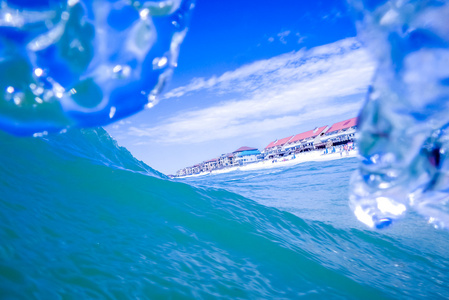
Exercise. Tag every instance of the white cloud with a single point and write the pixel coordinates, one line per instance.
(301, 64)
(300, 38)
(282, 35)
(281, 92)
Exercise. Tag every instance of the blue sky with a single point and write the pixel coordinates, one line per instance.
(250, 72)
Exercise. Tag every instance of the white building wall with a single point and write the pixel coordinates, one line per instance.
(246, 159)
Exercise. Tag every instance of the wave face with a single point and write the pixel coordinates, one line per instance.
(81, 218)
(84, 63)
(403, 126)
(87, 63)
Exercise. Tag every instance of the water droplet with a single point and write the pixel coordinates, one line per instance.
(159, 62)
(162, 62)
(8, 18)
(72, 2)
(383, 223)
(112, 112)
(65, 16)
(17, 99)
(77, 36)
(40, 134)
(117, 68)
(121, 71)
(58, 90)
(38, 91)
(152, 100)
(38, 72)
(144, 13)
(389, 17)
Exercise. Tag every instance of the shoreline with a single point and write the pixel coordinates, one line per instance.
(281, 162)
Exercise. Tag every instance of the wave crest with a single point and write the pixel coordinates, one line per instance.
(403, 124)
(84, 63)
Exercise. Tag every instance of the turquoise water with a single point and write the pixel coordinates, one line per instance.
(81, 218)
(66, 64)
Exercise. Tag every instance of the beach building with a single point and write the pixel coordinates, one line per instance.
(305, 141)
(196, 169)
(181, 172)
(275, 148)
(341, 132)
(185, 172)
(245, 155)
(210, 164)
(226, 160)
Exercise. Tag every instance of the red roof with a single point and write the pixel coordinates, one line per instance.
(308, 134)
(211, 160)
(280, 142)
(244, 148)
(271, 145)
(343, 125)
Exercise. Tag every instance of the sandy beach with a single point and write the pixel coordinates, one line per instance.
(287, 161)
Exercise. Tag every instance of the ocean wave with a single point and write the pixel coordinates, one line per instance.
(57, 72)
(84, 226)
(403, 125)
(82, 218)
(84, 63)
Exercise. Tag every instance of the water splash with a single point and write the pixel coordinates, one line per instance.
(84, 63)
(403, 125)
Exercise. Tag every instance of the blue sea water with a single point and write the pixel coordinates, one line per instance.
(66, 64)
(81, 218)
